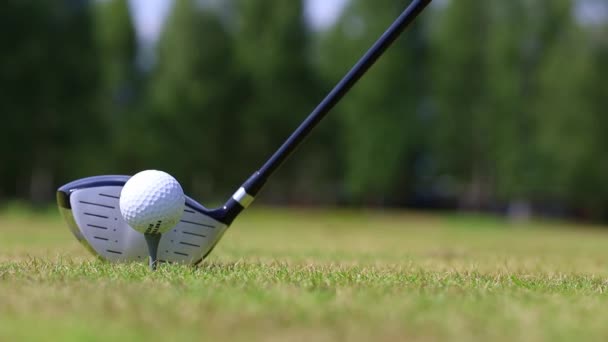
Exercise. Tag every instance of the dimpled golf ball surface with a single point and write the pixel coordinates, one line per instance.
(152, 202)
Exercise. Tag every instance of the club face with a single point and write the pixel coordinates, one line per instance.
(90, 206)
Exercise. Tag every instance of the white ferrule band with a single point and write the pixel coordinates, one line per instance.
(243, 197)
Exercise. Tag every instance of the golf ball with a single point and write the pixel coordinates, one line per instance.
(152, 202)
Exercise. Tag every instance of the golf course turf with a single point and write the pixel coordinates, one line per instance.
(315, 275)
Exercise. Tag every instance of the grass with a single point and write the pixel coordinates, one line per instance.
(316, 275)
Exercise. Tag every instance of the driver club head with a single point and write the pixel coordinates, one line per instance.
(90, 206)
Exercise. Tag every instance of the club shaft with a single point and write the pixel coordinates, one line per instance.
(351, 78)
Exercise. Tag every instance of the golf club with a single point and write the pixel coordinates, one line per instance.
(91, 205)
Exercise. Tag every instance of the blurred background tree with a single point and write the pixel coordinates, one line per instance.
(379, 119)
(462, 125)
(120, 89)
(573, 142)
(193, 101)
(49, 74)
(273, 51)
(487, 105)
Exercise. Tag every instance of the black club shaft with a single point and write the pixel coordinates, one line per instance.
(254, 184)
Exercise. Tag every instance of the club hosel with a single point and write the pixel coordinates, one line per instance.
(247, 192)
(242, 198)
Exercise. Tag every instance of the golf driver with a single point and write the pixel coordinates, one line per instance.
(91, 205)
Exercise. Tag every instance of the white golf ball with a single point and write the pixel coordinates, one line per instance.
(152, 202)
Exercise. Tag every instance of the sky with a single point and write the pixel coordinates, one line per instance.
(593, 11)
(149, 15)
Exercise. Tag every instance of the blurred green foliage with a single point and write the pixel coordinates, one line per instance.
(480, 105)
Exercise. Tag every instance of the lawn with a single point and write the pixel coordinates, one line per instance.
(316, 275)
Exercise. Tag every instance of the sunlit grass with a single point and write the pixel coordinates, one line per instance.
(316, 275)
